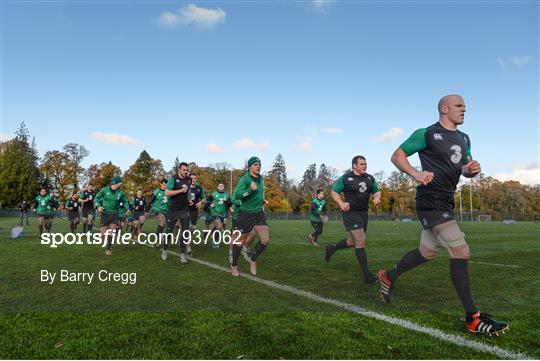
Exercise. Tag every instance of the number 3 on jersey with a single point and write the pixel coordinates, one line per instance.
(456, 156)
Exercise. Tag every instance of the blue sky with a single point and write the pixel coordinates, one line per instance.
(318, 81)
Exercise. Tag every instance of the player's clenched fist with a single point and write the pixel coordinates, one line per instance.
(424, 177)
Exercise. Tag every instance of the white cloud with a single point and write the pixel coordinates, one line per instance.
(214, 148)
(514, 62)
(321, 4)
(332, 130)
(113, 138)
(246, 143)
(389, 136)
(169, 20)
(191, 14)
(523, 173)
(305, 144)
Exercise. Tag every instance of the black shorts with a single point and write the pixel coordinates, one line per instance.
(175, 216)
(109, 219)
(234, 223)
(318, 227)
(354, 220)
(73, 215)
(136, 215)
(88, 211)
(247, 221)
(193, 217)
(434, 209)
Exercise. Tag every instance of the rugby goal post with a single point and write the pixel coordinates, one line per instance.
(483, 218)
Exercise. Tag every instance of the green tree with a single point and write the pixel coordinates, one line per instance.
(76, 154)
(19, 173)
(56, 168)
(101, 175)
(308, 185)
(174, 168)
(279, 171)
(146, 174)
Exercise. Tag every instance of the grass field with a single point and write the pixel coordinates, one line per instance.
(195, 311)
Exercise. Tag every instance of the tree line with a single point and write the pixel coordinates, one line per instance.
(22, 172)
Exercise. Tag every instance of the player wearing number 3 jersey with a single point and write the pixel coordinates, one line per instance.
(445, 155)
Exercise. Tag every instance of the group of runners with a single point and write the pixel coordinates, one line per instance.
(445, 156)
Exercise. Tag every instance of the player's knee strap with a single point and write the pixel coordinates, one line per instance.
(429, 240)
(452, 237)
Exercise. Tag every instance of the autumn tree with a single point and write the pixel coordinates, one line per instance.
(146, 174)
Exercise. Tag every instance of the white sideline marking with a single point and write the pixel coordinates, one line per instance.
(436, 333)
(303, 243)
(496, 264)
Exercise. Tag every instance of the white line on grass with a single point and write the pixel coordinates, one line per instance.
(495, 264)
(436, 333)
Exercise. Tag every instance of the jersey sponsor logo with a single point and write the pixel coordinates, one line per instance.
(437, 136)
(362, 187)
(456, 155)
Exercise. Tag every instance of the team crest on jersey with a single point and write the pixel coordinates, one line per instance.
(437, 136)
(350, 179)
(446, 215)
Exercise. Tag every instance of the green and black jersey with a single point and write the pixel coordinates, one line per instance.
(318, 208)
(110, 200)
(196, 193)
(138, 206)
(442, 152)
(159, 202)
(54, 203)
(41, 203)
(252, 201)
(221, 202)
(179, 202)
(357, 189)
(87, 196)
(72, 206)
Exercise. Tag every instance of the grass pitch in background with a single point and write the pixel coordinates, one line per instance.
(192, 311)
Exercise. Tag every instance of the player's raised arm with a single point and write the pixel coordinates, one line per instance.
(415, 143)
